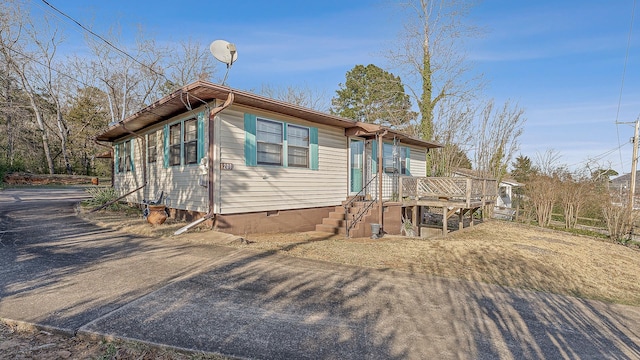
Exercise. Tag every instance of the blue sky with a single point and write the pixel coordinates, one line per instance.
(562, 61)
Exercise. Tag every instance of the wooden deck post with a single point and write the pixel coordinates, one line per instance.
(444, 220)
(380, 210)
(467, 195)
(484, 198)
(461, 220)
(414, 215)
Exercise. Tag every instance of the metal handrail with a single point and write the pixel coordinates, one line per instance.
(357, 217)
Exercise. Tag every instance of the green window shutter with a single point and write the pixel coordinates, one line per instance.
(250, 152)
(285, 146)
(374, 157)
(116, 156)
(166, 146)
(313, 148)
(408, 162)
(201, 147)
(131, 146)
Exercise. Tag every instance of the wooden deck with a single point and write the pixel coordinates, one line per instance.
(453, 195)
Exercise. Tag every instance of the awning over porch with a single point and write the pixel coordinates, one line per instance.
(367, 130)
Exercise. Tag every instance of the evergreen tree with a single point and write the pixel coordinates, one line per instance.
(373, 95)
(523, 169)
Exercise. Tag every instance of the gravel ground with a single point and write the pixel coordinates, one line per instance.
(25, 342)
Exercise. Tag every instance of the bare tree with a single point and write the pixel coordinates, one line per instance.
(431, 56)
(543, 188)
(574, 192)
(496, 138)
(298, 95)
(10, 109)
(129, 81)
(455, 132)
(187, 62)
(618, 216)
(47, 39)
(542, 192)
(14, 41)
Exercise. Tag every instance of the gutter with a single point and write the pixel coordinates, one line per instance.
(211, 163)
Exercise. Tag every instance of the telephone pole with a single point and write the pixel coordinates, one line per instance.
(634, 165)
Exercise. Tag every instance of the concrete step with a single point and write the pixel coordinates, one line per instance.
(337, 215)
(327, 228)
(333, 222)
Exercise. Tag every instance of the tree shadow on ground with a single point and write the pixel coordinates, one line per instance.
(251, 304)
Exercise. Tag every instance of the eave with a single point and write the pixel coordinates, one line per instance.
(203, 92)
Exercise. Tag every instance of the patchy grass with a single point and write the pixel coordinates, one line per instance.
(495, 252)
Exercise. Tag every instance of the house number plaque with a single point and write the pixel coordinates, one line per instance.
(226, 166)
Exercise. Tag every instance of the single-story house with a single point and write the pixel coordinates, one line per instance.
(505, 193)
(254, 164)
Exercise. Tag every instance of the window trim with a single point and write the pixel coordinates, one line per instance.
(151, 159)
(281, 144)
(177, 145)
(405, 153)
(193, 142)
(308, 147)
(123, 158)
(198, 140)
(250, 143)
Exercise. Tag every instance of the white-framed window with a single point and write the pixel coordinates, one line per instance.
(269, 139)
(278, 143)
(395, 162)
(175, 144)
(152, 147)
(184, 141)
(297, 146)
(123, 158)
(190, 141)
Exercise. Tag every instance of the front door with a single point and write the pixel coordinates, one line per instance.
(356, 159)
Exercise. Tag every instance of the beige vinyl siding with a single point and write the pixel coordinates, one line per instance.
(268, 188)
(418, 161)
(181, 187)
(180, 184)
(127, 181)
(156, 170)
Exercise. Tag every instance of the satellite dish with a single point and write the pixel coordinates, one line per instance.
(225, 52)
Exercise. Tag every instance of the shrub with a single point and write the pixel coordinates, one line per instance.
(9, 168)
(101, 196)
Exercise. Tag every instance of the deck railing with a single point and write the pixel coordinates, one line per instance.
(461, 189)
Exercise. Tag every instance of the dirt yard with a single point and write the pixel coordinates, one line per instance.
(494, 252)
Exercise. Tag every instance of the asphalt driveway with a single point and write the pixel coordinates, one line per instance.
(61, 272)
